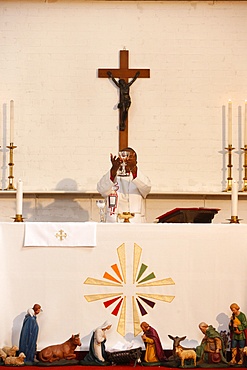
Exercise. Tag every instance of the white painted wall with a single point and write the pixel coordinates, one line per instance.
(66, 118)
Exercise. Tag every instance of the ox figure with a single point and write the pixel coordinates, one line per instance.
(64, 351)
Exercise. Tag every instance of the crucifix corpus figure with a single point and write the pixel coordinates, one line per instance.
(124, 73)
(125, 100)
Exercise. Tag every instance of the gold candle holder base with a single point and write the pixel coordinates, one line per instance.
(244, 188)
(229, 186)
(10, 186)
(126, 216)
(18, 218)
(234, 220)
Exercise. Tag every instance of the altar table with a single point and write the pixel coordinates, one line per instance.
(172, 276)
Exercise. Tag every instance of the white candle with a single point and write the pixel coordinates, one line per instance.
(11, 121)
(245, 123)
(234, 211)
(19, 197)
(229, 122)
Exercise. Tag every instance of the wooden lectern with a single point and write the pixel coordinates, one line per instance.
(189, 215)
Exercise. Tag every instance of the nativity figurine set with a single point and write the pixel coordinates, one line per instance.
(211, 352)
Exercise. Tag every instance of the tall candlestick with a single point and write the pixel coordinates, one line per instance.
(11, 121)
(245, 123)
(19, 197)
(234, 198)
(229, 122)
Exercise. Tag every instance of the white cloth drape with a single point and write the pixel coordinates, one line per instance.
(60, 234)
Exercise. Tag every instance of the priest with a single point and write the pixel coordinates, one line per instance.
(125, 194)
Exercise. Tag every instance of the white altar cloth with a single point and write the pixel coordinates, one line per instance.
(75, 286)
(60, 234)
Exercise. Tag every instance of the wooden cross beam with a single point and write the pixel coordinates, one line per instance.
(123, 73)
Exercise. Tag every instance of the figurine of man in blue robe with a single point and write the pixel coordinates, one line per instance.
(29, 333)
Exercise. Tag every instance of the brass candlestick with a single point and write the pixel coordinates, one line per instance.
(245, 168)
(18, 218)
(234, 220)
(11, 148)
(229, 166)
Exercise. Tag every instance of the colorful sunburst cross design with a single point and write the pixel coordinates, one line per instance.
(140, 280)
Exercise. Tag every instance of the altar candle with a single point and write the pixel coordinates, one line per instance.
(19, 197)
(229, 122)
(234, 199)
(245, 123)
(11, 121)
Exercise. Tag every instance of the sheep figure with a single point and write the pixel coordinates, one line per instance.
(16, 361)
(186, 354)
(10, 351)
(3, 355)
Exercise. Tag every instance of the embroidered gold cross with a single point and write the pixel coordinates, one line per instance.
(61, 235)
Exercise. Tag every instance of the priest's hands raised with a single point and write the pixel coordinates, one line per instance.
(116, 162)
(131, 165)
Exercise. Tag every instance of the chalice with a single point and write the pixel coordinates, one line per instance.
(101, 205)
(124, 155)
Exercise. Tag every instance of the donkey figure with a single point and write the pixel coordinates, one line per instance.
(176, 344)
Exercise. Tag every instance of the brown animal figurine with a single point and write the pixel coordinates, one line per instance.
(3, 355)
(15, 361)
(64, 351)
(10, 351)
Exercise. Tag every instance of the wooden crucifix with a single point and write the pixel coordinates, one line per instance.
(123, 73)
